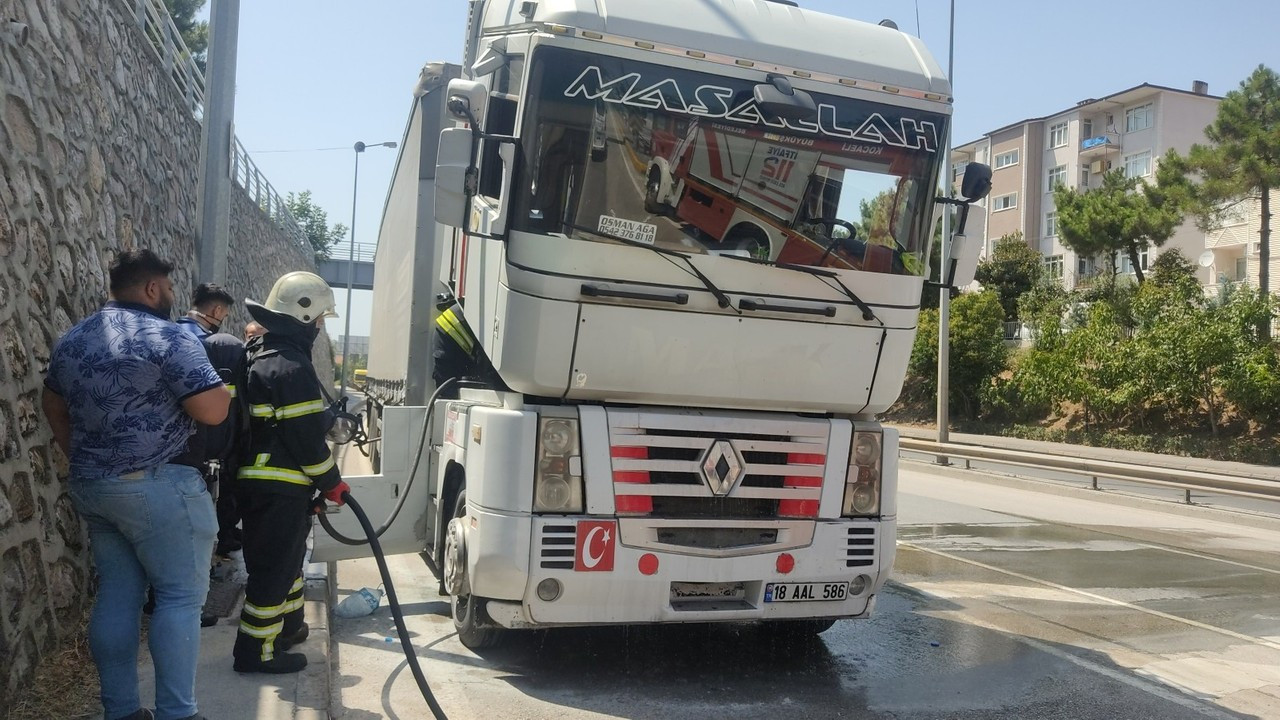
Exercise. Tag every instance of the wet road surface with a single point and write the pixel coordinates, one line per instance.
(1006, 604)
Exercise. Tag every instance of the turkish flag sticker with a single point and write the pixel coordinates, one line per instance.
(594, 546)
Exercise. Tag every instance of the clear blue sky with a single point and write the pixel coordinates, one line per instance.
(324, 73)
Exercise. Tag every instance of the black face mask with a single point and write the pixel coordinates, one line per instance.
(214, 325)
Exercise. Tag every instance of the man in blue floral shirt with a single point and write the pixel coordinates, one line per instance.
(124, 391)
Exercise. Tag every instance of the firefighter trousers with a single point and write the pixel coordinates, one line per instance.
(275, 544)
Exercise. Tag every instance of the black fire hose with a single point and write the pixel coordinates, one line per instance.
(401, 630)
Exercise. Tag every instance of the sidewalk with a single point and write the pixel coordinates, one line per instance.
(224, 694)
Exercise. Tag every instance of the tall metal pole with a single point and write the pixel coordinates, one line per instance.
(351, 274)
(944, 296)
(213, 196)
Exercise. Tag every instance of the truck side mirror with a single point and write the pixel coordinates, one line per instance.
(964, 260)
(976, 182)
(467, 101)
(455, 177)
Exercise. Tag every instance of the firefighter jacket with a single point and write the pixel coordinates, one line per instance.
(289, 417)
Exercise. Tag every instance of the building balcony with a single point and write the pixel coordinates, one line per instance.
(1099, 145)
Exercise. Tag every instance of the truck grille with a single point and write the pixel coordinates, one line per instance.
(689, 465)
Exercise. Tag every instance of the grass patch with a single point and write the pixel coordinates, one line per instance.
(65, 684)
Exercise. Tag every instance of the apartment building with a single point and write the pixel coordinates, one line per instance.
(1130, 129)
(1231, 251)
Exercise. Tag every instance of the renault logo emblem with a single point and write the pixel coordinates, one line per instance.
(722, 467)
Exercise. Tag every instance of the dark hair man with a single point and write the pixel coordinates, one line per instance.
(213, 450)
(287, 463)
(124, 390)
(210, 306)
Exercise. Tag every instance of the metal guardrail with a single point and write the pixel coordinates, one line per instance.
(156, 23)
(247, 175)
(364, 252)
(1183, 479)
(179, 62)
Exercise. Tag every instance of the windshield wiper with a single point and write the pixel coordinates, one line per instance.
(819, 273)
(721, 298)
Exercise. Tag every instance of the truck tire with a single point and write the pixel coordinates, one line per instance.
(473, 626)
(651, 188)
(750, 238)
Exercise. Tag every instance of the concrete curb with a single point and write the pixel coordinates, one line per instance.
(312, 694)
(1117, 497)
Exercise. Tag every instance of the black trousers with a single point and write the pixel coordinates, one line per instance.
(275, 544)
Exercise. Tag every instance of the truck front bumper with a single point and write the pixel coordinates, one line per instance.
(599, 580)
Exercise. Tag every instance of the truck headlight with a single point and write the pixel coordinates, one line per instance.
(862, 483)
(557, 482)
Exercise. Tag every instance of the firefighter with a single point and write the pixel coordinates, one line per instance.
(287, 463)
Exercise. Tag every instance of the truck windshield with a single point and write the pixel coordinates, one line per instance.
(685, 161)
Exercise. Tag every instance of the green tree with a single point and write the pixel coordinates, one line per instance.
(1172, 268)
(1125, 216)
(1242, 163)
(195, 33)
(314, 222)
(977, 350)
(1011, 271)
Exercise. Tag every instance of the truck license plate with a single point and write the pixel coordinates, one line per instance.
(804, 592)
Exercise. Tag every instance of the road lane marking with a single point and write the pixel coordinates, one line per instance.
(1203, 707)
(1101, 598)
(1212, 558)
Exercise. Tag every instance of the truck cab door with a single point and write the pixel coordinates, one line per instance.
(379, 494)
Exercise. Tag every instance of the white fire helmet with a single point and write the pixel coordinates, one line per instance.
(303, 296)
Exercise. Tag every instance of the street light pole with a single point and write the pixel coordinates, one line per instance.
(351, 264)
(944, 296)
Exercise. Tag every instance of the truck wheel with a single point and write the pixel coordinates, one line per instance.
(469, 619)
(749, 238)
(651, 188)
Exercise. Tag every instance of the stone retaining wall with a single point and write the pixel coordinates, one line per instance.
(98, 153)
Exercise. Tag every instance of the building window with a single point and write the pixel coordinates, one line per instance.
(1005, 159)
(1084, 178)
(1005, 202)
(1138, 164)
(1139, 118)
(1242, 268)
(1058, 135)
(1057, 176)
(1084, 267)
(1126, 265)
(1053, 266)
(1050, 224)
(1086, 129)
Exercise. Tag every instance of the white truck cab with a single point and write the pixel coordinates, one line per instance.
(676, 318)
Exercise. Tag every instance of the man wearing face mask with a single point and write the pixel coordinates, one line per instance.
(214, 449)
(288, 462)
(210, 306)
(124, 390)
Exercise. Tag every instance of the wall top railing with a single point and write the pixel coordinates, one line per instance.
(247, 175)
(180, 65)
(179, 62)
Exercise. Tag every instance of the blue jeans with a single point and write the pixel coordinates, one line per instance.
(153, 527)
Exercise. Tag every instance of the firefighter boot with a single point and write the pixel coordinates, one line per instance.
(284, 642)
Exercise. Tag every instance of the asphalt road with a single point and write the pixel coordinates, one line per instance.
(1006, 603)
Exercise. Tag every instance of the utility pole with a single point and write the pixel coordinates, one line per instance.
(944, 297)
(213, 203)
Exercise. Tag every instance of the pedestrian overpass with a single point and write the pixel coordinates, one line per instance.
(342, 261)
